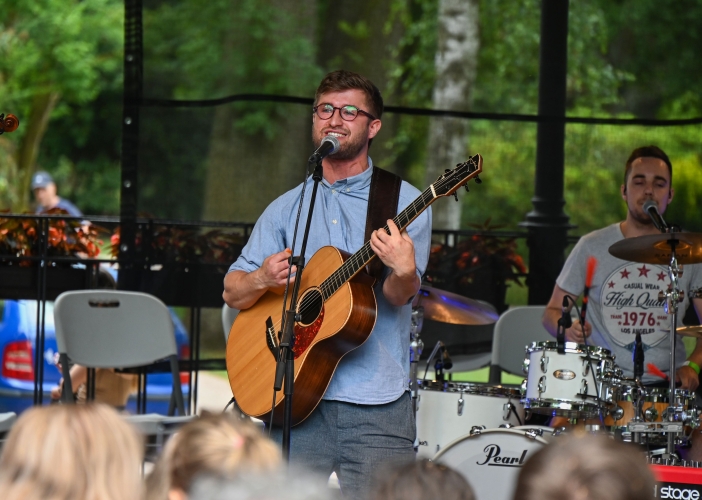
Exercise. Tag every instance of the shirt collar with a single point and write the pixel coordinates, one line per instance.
(356, 182)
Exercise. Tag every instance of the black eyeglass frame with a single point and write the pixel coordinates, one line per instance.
(334, 108)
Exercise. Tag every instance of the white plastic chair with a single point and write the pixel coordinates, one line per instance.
(228, 317)
(516, 328)
(115, 329)
(7, 420)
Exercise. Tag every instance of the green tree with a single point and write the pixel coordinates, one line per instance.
(53, 54)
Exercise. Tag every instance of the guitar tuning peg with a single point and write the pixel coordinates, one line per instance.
(478, 180)
(466, 186)
(455, 195)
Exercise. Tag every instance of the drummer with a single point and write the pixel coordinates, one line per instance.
(623, 298)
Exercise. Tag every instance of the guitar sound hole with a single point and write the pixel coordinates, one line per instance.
(309, 306)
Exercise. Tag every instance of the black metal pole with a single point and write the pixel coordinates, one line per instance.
(129, 274)
(547, 222)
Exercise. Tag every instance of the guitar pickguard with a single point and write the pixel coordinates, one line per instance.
(304, 335)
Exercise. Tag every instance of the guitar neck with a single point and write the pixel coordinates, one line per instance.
(365, 254)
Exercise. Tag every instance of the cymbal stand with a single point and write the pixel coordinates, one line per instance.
(416, 346)
(673, 296)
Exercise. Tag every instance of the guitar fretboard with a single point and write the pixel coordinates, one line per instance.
(365, 254)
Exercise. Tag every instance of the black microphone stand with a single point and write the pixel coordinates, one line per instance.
(286, 357)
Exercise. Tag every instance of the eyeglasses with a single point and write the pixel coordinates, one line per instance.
(348, 113)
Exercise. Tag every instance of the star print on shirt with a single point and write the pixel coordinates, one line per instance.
(661, 276)
(611, 284)
(643, 271)
(625, 274)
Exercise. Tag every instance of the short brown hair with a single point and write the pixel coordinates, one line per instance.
(585, 467)
(340, 80)
(647, 152)
(421, 479)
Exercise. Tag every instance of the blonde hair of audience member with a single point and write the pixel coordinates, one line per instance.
(69, 452)
(586, 467)
(214, 444)
(420, 480)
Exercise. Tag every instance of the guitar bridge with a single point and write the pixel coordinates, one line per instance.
(271, 338)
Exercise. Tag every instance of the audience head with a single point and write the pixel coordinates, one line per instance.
(295, 484)
(586, 467)
(419, 480)
(68, 452)
(213, 444)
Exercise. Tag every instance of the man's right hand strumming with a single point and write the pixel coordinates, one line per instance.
(242, 290)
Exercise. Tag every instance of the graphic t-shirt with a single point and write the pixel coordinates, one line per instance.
(623, 301)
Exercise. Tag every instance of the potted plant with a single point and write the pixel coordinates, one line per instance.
(21, 253)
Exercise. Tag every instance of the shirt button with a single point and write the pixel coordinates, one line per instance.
(347, 190)
(334, 221)
(333, 190)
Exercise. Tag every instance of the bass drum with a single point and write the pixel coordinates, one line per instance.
(491, 459)
(449, 410)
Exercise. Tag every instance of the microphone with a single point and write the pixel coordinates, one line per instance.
(651, 208)
(566, 321)
(445, 358)
(329, 146)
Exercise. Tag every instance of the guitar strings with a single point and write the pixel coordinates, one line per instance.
(354, 263)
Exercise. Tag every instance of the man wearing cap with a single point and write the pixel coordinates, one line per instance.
(45, 195)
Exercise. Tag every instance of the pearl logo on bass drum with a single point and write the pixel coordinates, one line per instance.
(493, 457)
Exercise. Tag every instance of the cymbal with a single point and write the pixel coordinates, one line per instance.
(447, 307)
(689, 331)
(656, 248)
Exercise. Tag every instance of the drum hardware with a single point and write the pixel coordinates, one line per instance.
(558, 391)
(416, 347)
(476, 430)
(673, 249)
(461, 401)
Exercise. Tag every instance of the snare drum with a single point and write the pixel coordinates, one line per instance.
(491, 459)
(653, 409)
(448, 410)
(568, 385)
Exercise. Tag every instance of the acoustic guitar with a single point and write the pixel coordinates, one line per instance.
(336, 312)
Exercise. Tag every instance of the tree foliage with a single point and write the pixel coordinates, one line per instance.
(55, 55)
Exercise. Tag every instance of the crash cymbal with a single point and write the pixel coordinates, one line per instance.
(656, 248)
(447, 307)
(690, 331)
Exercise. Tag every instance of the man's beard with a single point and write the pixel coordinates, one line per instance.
(349, 149)
(641, 217)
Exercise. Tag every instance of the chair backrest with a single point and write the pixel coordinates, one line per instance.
(228, 317)
(516, 328)
(113, 329)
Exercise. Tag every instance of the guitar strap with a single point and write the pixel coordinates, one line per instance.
(382, 205)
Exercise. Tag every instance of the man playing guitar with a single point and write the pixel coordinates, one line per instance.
(365, 417)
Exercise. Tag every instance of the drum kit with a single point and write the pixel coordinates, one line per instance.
(483, 431)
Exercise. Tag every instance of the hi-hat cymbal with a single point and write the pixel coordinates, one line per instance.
(690, 331)
(448, 307)
(656, 248)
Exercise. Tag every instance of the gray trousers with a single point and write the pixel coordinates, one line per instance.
(355, 441)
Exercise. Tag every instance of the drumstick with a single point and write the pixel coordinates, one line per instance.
(591, 265)
(654, 370)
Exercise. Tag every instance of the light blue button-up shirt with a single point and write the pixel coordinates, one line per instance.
(378, 371)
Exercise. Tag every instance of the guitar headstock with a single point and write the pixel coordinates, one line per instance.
(448, 183)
